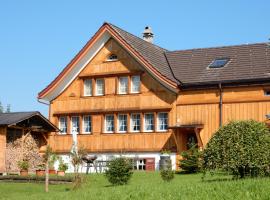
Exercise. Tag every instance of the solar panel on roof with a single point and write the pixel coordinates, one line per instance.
(219, 62)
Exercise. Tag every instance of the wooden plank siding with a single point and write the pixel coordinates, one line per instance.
(3, 149)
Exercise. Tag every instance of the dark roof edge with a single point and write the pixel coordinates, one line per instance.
(179, 82)
(227, 83)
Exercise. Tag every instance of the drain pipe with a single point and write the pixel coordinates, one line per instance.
(220, 104)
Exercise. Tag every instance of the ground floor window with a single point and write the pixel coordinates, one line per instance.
(139, 164)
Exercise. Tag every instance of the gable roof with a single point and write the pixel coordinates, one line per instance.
(246, 63)
(149, 55)
(17, 118)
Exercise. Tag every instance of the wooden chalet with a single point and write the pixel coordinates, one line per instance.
(126, 95)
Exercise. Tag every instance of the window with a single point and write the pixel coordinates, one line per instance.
(63, 125)
(122, 123)
(135, 84)
(75, 124)
(139, 164)
(99, 87)
(135, 122)
(162, 121)
(123, 85)
(219, 62)
(112, 57)
(149, 122)
(87, 124)
(109, 123)
(266, 92)
(88, 87)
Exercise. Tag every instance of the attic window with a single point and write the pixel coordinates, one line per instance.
(112, 57)
(267, 92)
(219, 63)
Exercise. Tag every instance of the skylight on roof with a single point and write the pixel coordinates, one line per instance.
(219, 62)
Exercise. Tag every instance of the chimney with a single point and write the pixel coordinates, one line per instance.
(148, 35)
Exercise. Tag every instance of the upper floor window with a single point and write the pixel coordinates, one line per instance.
(135, 122)
(162, 122)
(109, 123)
(123, 85)
(135, 84)
(88, 87)
(99, 87)
(149, 122)
(63, 125)
(75, 124)
(112, 57)
(87, 124)
(122, 122)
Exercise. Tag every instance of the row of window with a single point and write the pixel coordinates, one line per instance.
(123, 86)
(121, 121)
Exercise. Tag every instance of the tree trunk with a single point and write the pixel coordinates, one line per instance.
(47, 177)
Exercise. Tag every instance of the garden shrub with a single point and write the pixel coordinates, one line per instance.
(119, 171)
(240, 147)
(191, 162)
(167, 174)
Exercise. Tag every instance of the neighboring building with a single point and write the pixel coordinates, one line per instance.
(15, 127)
(125, 95)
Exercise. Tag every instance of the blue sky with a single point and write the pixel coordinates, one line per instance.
(38, 38)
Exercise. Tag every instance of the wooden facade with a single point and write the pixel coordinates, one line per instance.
(188, 107)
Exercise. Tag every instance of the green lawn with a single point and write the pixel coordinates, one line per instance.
(145, 186)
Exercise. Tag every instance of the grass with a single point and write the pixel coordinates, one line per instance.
(146, 186)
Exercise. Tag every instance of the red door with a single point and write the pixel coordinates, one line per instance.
(150, 164)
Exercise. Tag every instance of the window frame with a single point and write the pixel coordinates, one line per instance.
(131, 84)
(144, 120)
(119, 84)
(103, 87)
(158, 123)
(83, 124)
(118, 123)
(109, 59)
(71, 123)
(130, 124)
(84, 88)
(66, 124)
(105, 123)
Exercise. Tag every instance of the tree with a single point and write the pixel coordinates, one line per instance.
(191, 160)
(8, 108)
(1, 107)
(240, 147)
(119, 171)
(47, 157)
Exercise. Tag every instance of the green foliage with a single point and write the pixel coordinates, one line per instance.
(23, 165)
(241, 147)
(191, 162)
(52, 160)
(167, 174)
(2, 109)
(62, 166)
(119, 171)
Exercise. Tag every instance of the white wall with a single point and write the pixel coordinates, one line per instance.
(109, 156)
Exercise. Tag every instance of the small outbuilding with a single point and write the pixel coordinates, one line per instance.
(23, 135)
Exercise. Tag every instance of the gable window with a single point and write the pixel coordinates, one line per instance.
(63, 125)
(112, 57)
(123, 85)
(99, 87)
(149, 122)
(135, 124)
(219, 62)
(88, 87)
(109, 123)
(135, 84)
(162, 121)
(122, 123)
(267, 92)
(87, 124)
(75, 124)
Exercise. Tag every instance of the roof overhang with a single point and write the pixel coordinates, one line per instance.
(93, 46)
(186, 126)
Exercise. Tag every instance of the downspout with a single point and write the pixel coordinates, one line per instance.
(220, 104)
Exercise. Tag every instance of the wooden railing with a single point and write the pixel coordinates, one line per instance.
(114, 142)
